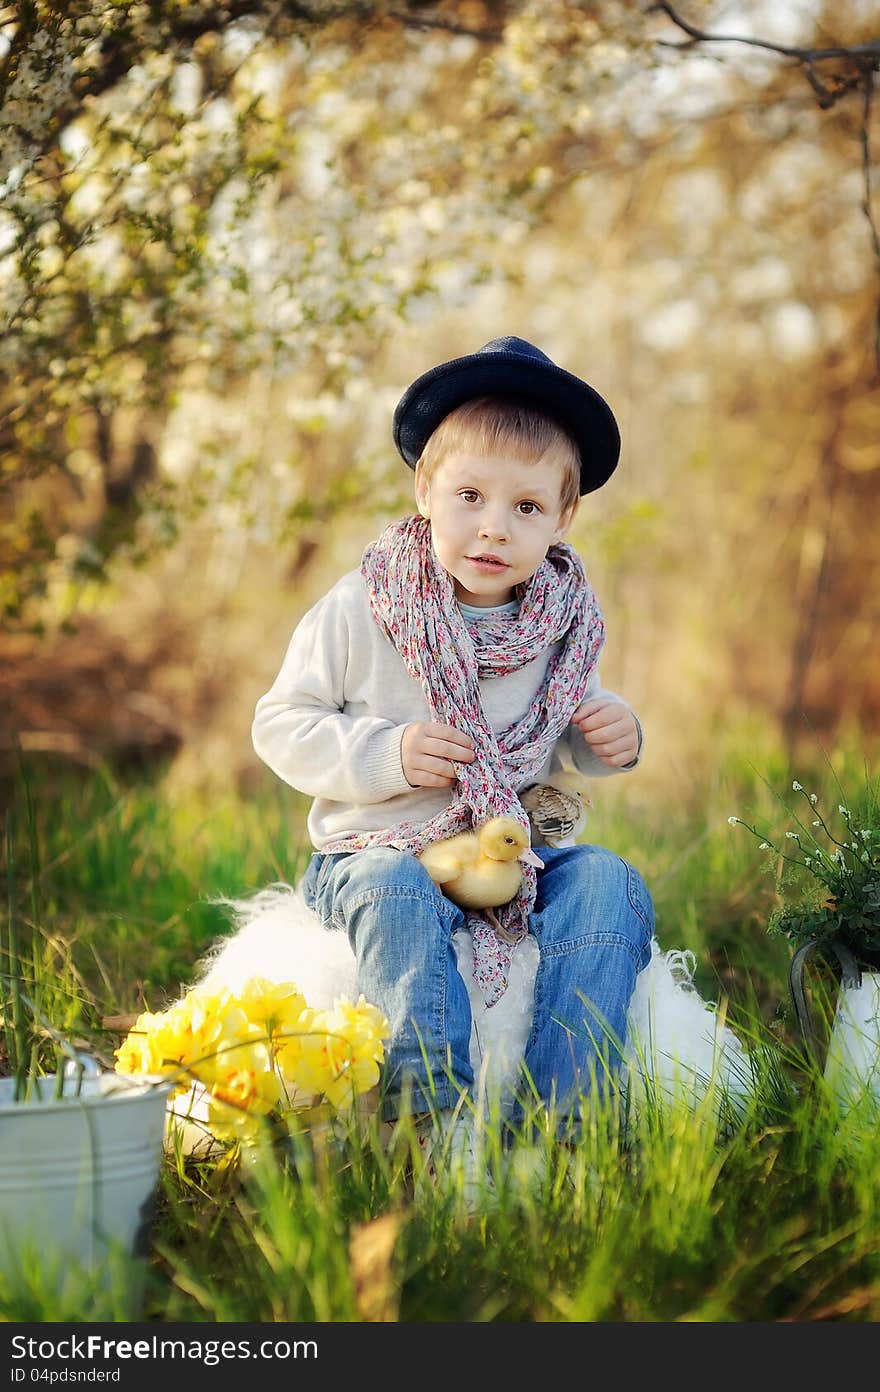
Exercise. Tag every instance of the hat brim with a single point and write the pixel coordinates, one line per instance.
(583, 412)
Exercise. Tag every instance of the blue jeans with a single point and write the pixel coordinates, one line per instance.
(593, 921)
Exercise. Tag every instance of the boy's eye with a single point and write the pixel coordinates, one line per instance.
(533, 506)
(468, 493)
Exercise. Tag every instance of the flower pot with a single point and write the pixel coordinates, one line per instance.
(852, 1064)
(78, 1173)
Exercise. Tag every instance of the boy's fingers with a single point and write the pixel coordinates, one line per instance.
(618, 729)
(590, 707)
(602, 720)
(607, 718)
(598, 713)
(434, 772)
(433, 764)
(605, 748)
(450, 734)
(452, 745)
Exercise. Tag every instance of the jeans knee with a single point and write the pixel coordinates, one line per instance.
(601, 892)
(619, 878)
(378, 861)
(606, 874)
(381, 875)
(384, 868)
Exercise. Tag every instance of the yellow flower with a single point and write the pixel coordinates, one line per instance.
(231, 1124)
(221, 1043)
(275, 1006)
(340, 1055)
(245, 1087)
(245, 1077)
(186, 1036)
(289, 1043)
(261, 1051)
(139, 1052)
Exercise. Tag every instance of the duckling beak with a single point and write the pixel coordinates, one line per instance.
(528, 855)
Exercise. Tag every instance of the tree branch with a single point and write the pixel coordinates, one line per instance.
(410, 21)
(859, 53)
(865, 60)
(867, 205)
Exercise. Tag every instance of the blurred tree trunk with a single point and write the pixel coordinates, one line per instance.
(811, 590)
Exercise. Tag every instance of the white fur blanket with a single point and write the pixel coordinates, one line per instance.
(678, 1047)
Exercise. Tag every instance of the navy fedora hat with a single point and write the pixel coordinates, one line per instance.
(511, 367)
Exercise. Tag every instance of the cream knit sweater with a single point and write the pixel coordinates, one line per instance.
(332, 722)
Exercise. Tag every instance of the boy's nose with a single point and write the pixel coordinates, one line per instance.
(494, 527)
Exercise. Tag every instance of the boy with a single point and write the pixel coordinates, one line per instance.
(430, 686)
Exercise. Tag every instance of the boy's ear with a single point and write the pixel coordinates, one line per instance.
(422, 493)
(565, 520)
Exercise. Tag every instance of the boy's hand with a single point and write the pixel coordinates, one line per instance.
(610, 730)
(429, 753)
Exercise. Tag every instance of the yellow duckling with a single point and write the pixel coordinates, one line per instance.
(481, 869)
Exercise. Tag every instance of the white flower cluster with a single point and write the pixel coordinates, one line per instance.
(41, 83)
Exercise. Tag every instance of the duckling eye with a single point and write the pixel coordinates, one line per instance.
(509, 840)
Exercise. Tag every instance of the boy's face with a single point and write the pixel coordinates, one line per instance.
(492, 506)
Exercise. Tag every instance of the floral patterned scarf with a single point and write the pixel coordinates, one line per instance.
(413, 602)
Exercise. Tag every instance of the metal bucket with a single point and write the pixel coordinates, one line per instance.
(852, 1064)
(78, 1173)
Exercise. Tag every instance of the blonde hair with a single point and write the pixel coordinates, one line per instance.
(499, 425)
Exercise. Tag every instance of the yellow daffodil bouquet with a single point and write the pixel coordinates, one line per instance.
(262, 1053)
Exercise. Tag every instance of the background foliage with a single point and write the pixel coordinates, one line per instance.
(231, 234)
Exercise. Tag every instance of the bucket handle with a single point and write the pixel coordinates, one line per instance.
(850, 975)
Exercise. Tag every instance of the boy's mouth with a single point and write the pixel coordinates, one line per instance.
(488, 563)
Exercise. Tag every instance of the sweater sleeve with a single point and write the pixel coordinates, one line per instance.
(582, 756)
(300, 727)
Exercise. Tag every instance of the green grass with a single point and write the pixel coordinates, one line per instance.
(672, 1216)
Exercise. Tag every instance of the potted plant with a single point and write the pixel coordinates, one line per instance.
(830, 907)
(80, 1146)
